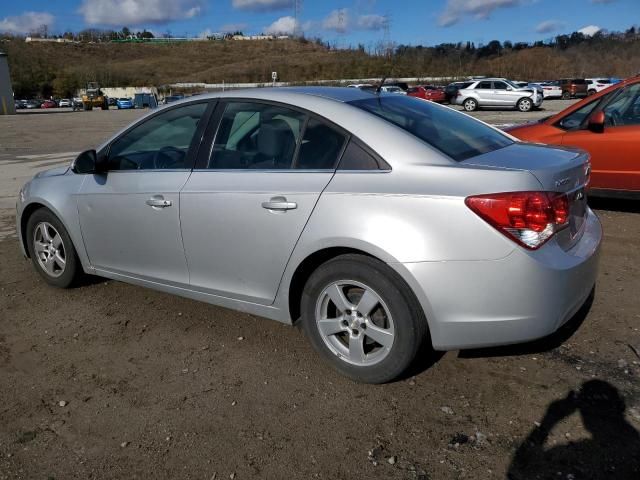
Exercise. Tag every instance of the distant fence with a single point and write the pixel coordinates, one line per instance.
(347, 81)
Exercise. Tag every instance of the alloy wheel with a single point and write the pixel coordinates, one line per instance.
(49, 249)
(354, 322)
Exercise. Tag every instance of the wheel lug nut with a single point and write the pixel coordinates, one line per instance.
(355, 332)
(345, 323)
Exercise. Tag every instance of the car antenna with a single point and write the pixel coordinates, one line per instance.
(384, 79)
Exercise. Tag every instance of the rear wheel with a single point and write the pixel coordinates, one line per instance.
(591, 92)
(524, 105)
(362, 318)
(470, 105)
(566, 95)
(51, 250)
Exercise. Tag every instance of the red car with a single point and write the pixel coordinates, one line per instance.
(428, 92)
(607, 125)
(48, 104)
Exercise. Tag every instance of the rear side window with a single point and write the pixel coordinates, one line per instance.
(320, 148)
(356, 158)
(455, 134)
(484, 86)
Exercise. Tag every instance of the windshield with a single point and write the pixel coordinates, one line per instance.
(454, 134)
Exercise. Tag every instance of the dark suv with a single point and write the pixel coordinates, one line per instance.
(573, 87)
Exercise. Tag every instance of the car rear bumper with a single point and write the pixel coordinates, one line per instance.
(521, 297)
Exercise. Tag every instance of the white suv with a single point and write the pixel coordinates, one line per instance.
(595, 85)
(500, 93)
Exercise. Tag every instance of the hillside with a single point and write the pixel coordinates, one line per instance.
(59, 68)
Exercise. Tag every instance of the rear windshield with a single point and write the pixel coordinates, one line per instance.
(579, 81)
(454, 134)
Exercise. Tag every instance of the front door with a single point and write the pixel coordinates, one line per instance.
(615, 163)
(130, 216)
(246, 205)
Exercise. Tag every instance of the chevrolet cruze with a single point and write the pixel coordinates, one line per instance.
(378, 221)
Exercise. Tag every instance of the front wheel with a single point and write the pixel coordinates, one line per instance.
(470, 105)
(524, 105)
(566, 95)
(51, 250)
(362, 318)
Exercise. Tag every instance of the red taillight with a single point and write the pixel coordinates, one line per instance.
(529, 218)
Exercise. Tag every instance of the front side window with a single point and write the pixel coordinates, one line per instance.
(161, 142)
(578, 118)
(455, 134)
(499, 86)
(624, 109)
(256, 136)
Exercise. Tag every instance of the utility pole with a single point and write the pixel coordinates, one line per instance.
(297, 11)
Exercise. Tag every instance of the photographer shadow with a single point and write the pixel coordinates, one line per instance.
(612, 452)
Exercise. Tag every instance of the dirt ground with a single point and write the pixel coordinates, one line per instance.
(110, 380)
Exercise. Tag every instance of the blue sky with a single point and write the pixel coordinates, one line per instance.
(343, 22)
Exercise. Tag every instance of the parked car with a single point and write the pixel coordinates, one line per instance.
(124, 103)
(111, 101)
(607, 125)
(403, 85)
(392, 89)
(551, 90)
(573, 87)
(375, 245)
(31, 104)
(428, 92)
(172, 98)
(362, 86)
(65, 102)
(595, 85)
(20, 104)
(498, 93)
(451, 90)
(48, 104)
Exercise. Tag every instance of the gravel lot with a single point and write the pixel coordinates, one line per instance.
(110, 380)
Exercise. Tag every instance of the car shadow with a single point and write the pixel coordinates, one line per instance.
(544, 344)
(611, 452)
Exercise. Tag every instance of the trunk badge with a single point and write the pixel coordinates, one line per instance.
(562, 182)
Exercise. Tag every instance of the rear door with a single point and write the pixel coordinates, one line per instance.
(615, 162)
(254, 188)
(485, 94)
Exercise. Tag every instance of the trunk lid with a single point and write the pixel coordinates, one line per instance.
(558, 169)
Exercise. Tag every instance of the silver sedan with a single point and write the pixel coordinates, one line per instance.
(380, 222)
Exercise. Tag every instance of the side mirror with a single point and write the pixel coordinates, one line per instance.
(510, 88)
(596, 122)
(86, 162)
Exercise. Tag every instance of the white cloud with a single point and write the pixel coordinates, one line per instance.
(282, 26)
(342, 21)
(137, 12)
(456, 9)
(337, 20)
(26, 23)
(549, 26)
(371, 22)
(262, 5)
(590, 30)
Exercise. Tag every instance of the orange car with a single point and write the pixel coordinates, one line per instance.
(607, 125)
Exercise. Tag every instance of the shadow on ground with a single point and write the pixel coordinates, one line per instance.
(611, 452)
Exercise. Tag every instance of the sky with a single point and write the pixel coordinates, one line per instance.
(341, 22)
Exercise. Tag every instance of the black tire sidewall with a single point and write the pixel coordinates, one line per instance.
(72, 268)
(409, 322)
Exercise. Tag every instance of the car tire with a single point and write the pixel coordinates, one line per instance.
(524, 105)
(470, 105)
(387, 330)
(591, 92)
(566, 95)
(49, 244)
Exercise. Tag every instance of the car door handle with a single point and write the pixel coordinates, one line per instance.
(279, 203)
(158, 202)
